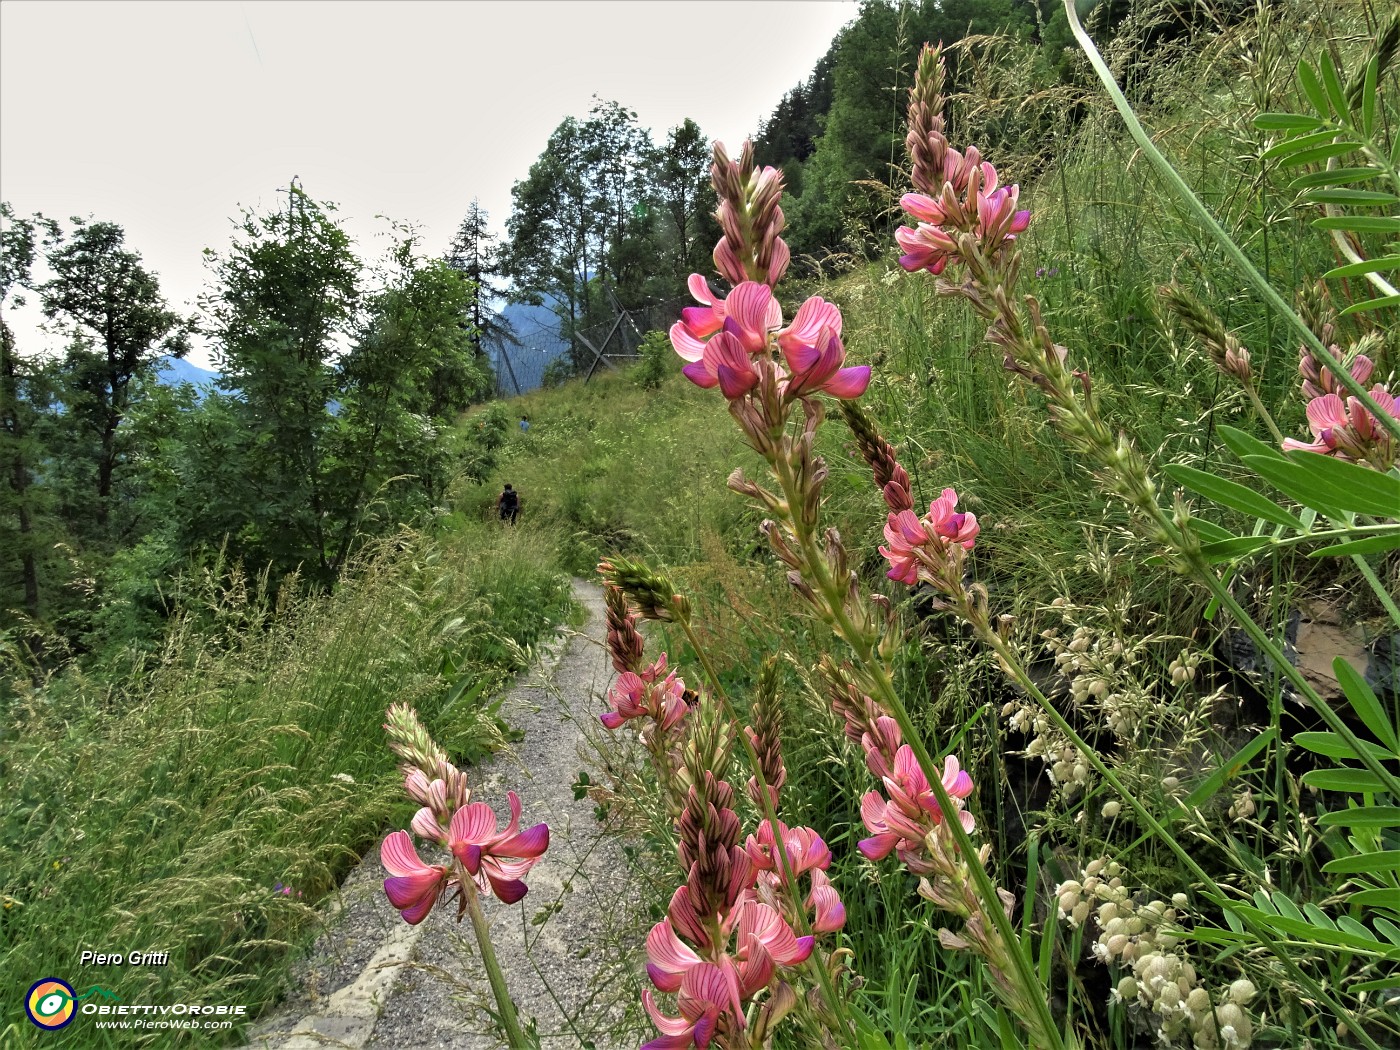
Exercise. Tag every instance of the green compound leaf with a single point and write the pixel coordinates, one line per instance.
(1235, 547)
(1362, 817)
(1366, 491)
(1208, 531)
(1297, 483)
(1353, 781)
(1335, 177)
(1233, 495)
(1368, 96)
(1336, 94)
(1366, 704)
(1242, 444)
(1378, 898)
(1313, 90)
(1355, 198)
(1377, 544)
(1334, 745)
(1285, 122)
(1381, 860)
(1359, 223)
(1380, 303)
(1381, 264)
(1319, 154)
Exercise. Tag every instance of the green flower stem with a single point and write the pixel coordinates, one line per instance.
(504, 1007)
(1227, 244)
(799, 906)
(1263, 413)
(1384, 595)
(1039, 1020)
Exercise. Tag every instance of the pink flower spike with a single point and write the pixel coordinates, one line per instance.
(413, 887)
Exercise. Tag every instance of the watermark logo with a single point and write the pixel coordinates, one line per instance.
(51, 1004)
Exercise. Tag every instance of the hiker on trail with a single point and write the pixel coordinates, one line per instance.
(508, 505)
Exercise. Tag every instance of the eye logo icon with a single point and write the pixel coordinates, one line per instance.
(51, 1003)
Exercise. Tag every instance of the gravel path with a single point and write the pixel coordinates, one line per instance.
(570, 949)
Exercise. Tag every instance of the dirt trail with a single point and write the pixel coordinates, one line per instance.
(375, 982)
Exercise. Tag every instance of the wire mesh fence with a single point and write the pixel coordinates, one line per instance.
(521, 365)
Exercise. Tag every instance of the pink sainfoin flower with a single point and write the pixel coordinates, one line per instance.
(960, 192)
(718, 945)
(412, 887)
(903, 821)
(497, 860)
(923, 548)
(1348, 430)
(633, 696)
(991, 216)
(727, 347)
(817, 369)
(804, 847)
(703, 995)
(807, 855)
(731, 342)
(1318, 379)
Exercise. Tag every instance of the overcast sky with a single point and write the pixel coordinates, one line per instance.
(164, 117)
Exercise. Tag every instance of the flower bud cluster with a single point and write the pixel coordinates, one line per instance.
(1183, 668)
(1162, 984)
(765, 734)
(625, 644)
(751, 218)
(650, 593)
(1224, 347)
(1242, 807)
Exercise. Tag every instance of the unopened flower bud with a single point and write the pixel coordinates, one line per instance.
(1242, 991)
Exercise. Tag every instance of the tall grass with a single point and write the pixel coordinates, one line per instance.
(162, 813)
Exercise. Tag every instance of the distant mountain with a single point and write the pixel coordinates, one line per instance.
(520, 368)
(175, 370)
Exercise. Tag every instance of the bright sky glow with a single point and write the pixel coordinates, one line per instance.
(165, 117)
